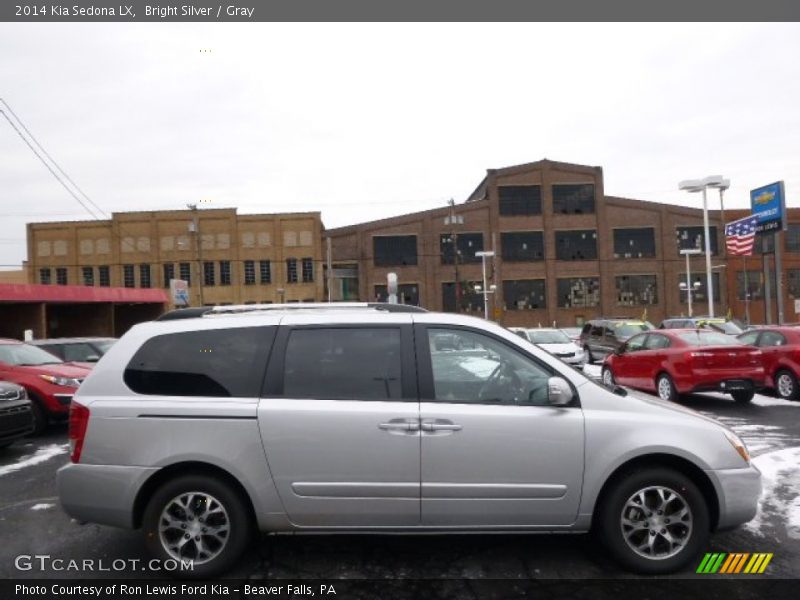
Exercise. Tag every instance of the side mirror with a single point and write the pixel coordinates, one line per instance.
(559, 392)
(619, 350)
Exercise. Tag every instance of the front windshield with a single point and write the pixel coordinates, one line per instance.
(708, 338)
(23, 354)
(548, 336)
(628, 328)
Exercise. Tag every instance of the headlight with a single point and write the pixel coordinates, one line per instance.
(63, 381)
(738, 445)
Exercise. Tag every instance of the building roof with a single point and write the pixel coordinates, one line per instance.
(28, 292)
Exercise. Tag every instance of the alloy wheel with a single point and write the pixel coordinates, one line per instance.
(194, 526)
(664, 388)
(785, 385)
(656, 522)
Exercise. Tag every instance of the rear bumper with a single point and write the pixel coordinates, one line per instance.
(738, 491)
(724, 381)
(101, 493)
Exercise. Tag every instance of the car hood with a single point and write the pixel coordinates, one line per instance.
(59, 370)
(659, 404)
(559, 348)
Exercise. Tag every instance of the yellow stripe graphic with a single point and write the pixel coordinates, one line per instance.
(765, 563)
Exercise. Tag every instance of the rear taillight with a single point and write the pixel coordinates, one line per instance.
(78, 423)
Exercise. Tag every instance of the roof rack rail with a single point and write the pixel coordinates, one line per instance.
(192, 313)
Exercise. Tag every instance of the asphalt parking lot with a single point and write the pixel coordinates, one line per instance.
(31, 523)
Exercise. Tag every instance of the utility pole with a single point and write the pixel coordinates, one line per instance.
(454, 241)
(330, 268)
(195, 229)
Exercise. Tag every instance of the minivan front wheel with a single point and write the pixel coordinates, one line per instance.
(654, 521)
(200, 520)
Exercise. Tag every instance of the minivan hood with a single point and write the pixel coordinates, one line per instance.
(658, 403)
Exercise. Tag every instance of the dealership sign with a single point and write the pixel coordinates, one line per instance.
(179, 290)
(768, 203)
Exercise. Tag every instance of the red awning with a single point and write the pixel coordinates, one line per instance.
(13, 292)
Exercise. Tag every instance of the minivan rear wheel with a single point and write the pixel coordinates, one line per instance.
(199, 519)
(654, 521)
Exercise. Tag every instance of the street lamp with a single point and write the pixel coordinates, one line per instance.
(687, 286)
(484, 254)
(700, 185)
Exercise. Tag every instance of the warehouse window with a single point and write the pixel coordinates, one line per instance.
(693, 237)
(754, 285)
(524, 294)
(265, 271)
(104, 275)
(635, 243)
(407, 293)
(576, 245)
(186, 272)
(764, 244)
(308, 270)
(636, 290)
(469, 300)
(224, 272)
(793, 282)
(209, 274)
(700, 292)
(520, 200)
(44, 276)
(249, 272)
(144, 276)
(522, 245)
(394, 250)
(128, 276)
(291, 270)
(792, 236)
(573, 199)
(88, 275)
(61, 276)
(468, 245)
(169, 273)
(582, 292)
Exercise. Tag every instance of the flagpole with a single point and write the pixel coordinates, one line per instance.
(746, 292)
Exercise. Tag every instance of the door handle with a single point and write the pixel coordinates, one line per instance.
(400, 425)
(440, 426)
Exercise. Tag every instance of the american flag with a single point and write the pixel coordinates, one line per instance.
(740, 236)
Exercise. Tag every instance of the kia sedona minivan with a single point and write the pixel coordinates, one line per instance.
(359, 418)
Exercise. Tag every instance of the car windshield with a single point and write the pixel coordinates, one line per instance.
(629, 328)
(708, 338)
(548, 336)
(103, 345)
(728, 327)
(572, 331)
(25, 355)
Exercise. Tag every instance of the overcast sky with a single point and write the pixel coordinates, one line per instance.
(368, 121)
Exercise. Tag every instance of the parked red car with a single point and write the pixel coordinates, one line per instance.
(780, 347)
(50, 382)
(681, 361)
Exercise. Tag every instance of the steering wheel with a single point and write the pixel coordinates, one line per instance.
(502, 379)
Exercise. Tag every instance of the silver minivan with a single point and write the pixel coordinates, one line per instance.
(356, 418)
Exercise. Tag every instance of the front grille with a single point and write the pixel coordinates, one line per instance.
(565, 354)
(16, 418)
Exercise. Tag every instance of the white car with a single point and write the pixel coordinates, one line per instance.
(556, 342)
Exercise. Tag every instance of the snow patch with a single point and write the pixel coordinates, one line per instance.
(780, 500)
(42, 506)
(41, 455)
(760, 400)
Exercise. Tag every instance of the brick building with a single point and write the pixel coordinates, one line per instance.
(564, 252)
(227, 258)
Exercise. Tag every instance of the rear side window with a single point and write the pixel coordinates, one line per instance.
(343, 364)
(210, 363)
(708, 338)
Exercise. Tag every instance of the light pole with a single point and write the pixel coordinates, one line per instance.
(688, 285)
(484, 254)
(700, 185)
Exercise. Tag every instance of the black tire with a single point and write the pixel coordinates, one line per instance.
(239, 520)
(612, 508)
(664, 379)
(744, 396)
(607, 373)
(786, 385)
(588, 354)
(40, 416)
